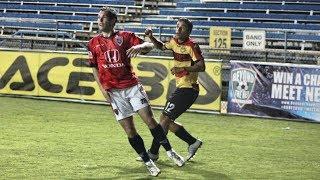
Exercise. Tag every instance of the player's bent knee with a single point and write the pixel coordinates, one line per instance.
(151, 123)
(164, 118)
(131, 133)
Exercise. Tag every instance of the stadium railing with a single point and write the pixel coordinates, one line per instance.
(63, 12)
(238, 24)
(35, 39)
(26, 24)
(244, 16)
(110, 2)
(125, 11)
(85, 13)
(252, 5)
(58, 17)
(270, 1)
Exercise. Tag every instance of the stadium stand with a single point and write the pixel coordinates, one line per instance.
(289, 24)
(92, 2)
(237, 16)
(267, 5)
(288, 17)
(282, 26)
(41, 40)
(45, 26)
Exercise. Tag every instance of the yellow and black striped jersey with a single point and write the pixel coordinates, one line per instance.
(185, 54)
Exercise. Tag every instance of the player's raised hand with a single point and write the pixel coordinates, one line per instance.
(148, 32)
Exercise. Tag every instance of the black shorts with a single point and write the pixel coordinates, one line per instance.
(179, 101)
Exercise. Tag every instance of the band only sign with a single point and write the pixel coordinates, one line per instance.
(254, 40)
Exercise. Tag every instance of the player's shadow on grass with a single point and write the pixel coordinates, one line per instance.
(140, 172)
(192, 168)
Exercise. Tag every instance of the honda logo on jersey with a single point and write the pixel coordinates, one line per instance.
(112, 57)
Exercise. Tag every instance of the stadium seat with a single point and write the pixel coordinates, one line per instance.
(77, 15)
(237, 24)
(170, 32)
(251, 5)
(114, 2)
(237, 15)
(40, 25)
(36, 7)
(78, 18)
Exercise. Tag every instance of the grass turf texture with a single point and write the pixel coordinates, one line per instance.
(58, 140)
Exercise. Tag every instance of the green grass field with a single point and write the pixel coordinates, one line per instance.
(57, 140)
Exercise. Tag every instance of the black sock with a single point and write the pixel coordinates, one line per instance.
(159, 135)
(185, 136)
(138, 145)
(155, 146)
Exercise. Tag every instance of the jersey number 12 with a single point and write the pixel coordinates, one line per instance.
(169, 107)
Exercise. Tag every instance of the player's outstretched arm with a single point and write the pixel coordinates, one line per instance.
(157, 43)
(143, 48)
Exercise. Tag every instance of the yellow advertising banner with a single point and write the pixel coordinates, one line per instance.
(220, 38)
(65, 75)
(47, 74)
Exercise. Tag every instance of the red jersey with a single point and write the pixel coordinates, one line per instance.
(108, 54)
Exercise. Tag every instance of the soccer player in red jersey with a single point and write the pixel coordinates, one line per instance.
(188, 61)
(110, 54)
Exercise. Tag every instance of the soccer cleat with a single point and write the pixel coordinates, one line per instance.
(177, 159)
(152, 168)
(153, 157)
(193, 148)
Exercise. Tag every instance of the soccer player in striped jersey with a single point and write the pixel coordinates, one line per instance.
(188, 61)
(110, 55)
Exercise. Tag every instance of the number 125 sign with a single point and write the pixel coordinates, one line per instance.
(220, 38)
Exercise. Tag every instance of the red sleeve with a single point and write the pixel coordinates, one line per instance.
(134, 40)
(92, 55)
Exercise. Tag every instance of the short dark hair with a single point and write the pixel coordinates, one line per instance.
(110, 12)
(188, 23)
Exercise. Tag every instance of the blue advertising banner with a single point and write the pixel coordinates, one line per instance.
(275, 90)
